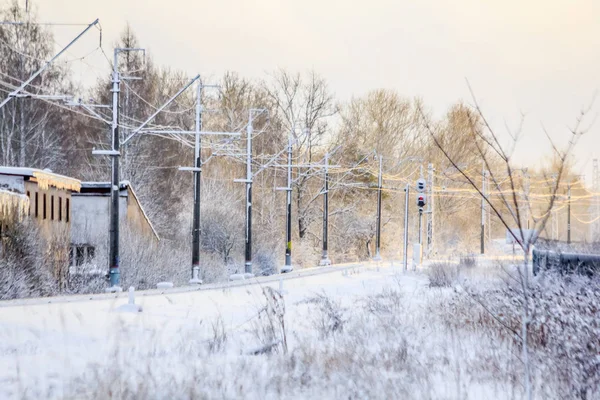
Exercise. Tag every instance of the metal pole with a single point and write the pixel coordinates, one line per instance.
(114, 272)
(420, 226)
(46, 65)
(527, 199)
(288, 212)
(569, 215)
(431, 213)
(248, 257)
(197, 186)
(405, 261)
(325, 257)
(378, 231)
(483, 189)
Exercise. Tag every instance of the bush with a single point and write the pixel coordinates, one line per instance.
(27, 266)
(442, 274)
(265, 263)
(329, 317)
(563, 333)
(468, 261)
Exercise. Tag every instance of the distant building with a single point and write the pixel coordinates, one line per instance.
(45, 198)
(72, 216)
(90, 220)
(40, 194)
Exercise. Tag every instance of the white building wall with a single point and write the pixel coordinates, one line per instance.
(89, 219)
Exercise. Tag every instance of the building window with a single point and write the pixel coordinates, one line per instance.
(81, 254)
(44, 211)
(29, 197)
(60, 208)
(67, 210)
(36, 205)
(52, 207)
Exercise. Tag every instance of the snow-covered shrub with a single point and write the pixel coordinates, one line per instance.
(563, 333)
(329, 316)
(305, 254)
(468, 261)
(212, 268)
(387, 302)
(442, 274)
(144, 262)
(269, 326)
(265, 263)
(219, 336)
(26, 265)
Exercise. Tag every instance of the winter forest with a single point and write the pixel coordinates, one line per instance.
(472, 318)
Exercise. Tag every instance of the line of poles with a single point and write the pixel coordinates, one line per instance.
(116, 143)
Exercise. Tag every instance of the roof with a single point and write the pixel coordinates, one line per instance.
(45, 178)
(101, 187)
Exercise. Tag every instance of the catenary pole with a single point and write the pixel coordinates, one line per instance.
(325, 256)
(288, 211)
(114, 271)
(483, 190)
(431, 213)
(405, 259)
(248, 233)
(378, 227)
(569, 214)
(197, 174)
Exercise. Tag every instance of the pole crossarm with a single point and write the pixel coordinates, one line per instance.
(46, 65)
(139, 129)
(176, 132)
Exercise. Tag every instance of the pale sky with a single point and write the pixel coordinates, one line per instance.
(539, 57)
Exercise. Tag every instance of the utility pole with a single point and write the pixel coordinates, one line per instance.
(406, 199)
(378, 228)
(596, 186)
(420, 226)
(197, 171)
(288, 211)
(114, 272)
(554, 212)
(569, 214)
(527, 204)
(431, 212)
(114, 222)
(325, 261)
(483, 192)
(248, 236)
(113, 255)
(252, 114)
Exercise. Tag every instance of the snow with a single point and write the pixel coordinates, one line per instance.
(53, 342)
(45, 178)
(350, 332)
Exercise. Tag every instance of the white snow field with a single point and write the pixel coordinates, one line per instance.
(353, 332)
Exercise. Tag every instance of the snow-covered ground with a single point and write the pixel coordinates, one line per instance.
(360, 332)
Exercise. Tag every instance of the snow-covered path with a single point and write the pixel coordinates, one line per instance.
(46, 345)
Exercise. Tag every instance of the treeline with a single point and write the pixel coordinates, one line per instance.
(45, 133)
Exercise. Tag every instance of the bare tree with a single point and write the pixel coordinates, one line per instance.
(32, 130)
(303, 103)
(510, 207)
